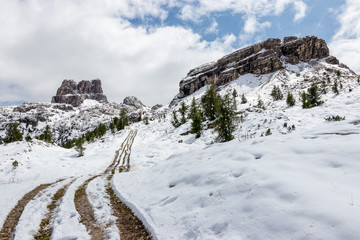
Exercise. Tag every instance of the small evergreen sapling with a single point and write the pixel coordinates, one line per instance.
(335, 88)
(311, 98)
(196, 124)
(182, 110)
(225, 121)
(243, 99)
(79, 146)
(175, 121)
(210, 102)
(192, 109)
(276, 93)
(13, 134)
(290, 100)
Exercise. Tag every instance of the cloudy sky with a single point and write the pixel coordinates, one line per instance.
(144, 48)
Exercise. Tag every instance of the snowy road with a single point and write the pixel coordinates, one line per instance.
(77, 208)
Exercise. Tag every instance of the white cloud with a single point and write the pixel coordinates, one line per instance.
(252, 25)
(300, 8)
(213, 27)
(345, 43)
(194, 10)
(44, 42)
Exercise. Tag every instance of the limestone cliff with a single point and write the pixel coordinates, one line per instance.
(72, 93)
(261, 58)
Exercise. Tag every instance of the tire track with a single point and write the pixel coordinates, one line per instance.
(86, 212)
(131, 228)
(13, 217)
(46, 225)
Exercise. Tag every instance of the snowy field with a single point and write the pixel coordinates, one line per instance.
(41, 163)
(297, 183)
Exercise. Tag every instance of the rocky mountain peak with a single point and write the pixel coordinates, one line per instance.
(74, 93)
(133, 101)
(261, 58)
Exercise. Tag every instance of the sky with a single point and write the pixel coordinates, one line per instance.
(144, 48)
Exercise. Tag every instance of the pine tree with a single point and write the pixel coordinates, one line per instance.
(209, 103)
(175, 121)
(260, 104)
(290, 100)
(192, 109)
(112, 127)
(182, 110)
(123, 121)
(146, 120)
(234, 94)
(225, 121)
(335, 87)
(13, 134)
(196, 125)
(312, 97)
(46, 135)
(243, 99)
(79, 146)
(277, 94)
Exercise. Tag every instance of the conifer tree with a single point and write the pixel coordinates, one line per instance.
(234, 94)
(209, 103)
(182, 110)
(312, 97)
(243, 99)
(276, 93)
(112, 127)
(260, 104)
(192, 108)
(225, 121)
(79, 146)
(13, 134)
(196, 125)
(335, 88)
(46, 135)
(290, 100)
(123, 121)
(175, 121)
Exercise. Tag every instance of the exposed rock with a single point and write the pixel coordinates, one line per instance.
(134, 102)
(261, 58)
(72, 93)
(156, 107)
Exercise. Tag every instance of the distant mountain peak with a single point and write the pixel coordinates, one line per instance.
(265, 57)
(74, 93)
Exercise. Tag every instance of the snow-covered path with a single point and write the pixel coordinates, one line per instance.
(69, 209)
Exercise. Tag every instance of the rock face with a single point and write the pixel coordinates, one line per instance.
(261, 58)
(72, 93)
(134, 102)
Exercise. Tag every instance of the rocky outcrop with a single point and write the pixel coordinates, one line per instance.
(134, 102)
(261, 58)
(72, 93)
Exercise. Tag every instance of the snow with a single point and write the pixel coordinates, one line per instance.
(66, 221)
(35, 211)
(41, 163)
(300, 183)
(100, 203)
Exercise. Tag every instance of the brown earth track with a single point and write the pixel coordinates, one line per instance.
(114, 164)
(131, 228)
(46, 228)
(13, 217)
(86, 212)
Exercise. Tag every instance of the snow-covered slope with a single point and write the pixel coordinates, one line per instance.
(300, 182)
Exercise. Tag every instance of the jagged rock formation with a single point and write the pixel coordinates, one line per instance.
(72, 93)
(134, 102)
(261, 58)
